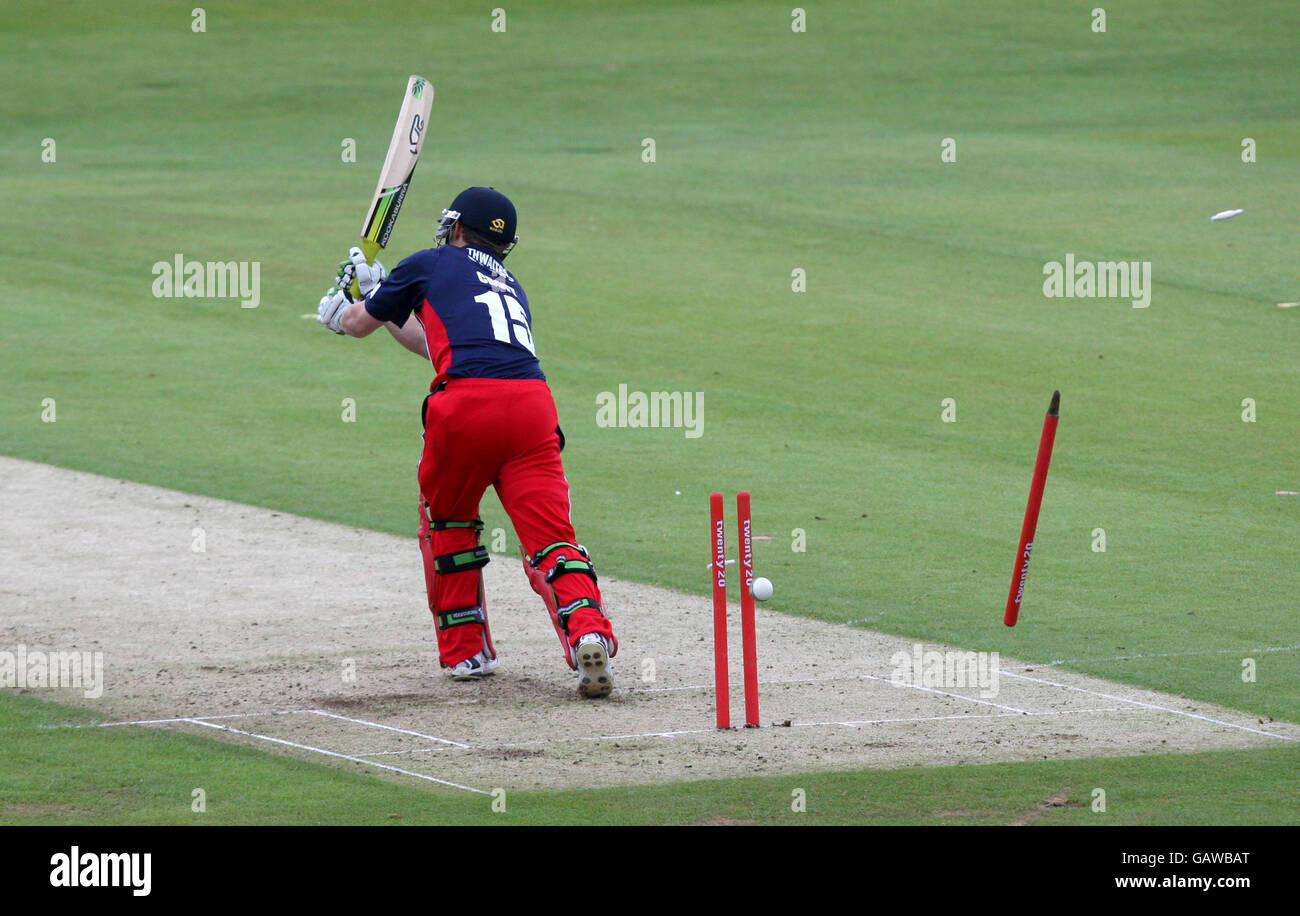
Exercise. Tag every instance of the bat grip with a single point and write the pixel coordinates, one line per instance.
(371, 251)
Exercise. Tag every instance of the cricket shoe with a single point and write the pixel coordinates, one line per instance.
(473, 668)
(594, 677)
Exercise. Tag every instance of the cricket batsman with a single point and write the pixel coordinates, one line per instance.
(489, 420)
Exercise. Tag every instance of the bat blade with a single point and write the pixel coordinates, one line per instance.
(399, 166)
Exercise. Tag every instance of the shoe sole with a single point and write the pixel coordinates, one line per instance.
(594, 680)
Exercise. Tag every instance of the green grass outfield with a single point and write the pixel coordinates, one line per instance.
(774, 151)
(54, 773)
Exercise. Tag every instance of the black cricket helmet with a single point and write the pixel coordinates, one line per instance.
(486, 211)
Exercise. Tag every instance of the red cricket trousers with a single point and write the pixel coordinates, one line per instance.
(502, 433)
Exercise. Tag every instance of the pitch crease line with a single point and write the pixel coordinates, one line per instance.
(705, 731)
(307, 747)
(391, 728)
(770, 683)
(1177, 712)
(955, 696)
(232, 715)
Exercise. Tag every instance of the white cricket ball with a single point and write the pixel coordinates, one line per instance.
(761, 589)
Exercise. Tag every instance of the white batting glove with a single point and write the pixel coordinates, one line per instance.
(331, 308)
(368, 276)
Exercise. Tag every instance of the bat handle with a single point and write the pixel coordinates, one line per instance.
(371, 251)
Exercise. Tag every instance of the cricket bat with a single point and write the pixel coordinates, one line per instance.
(399, 166)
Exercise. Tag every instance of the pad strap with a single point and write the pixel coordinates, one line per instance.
(448, 619)
(439, 524)
(442, 525)
(563, 614)
(545, 551)
(461, 560)
(566, 564)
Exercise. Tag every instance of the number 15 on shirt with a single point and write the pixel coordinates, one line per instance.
(517, 323)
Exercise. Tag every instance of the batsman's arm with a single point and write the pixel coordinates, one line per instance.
(357, 322)
(411, 336)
